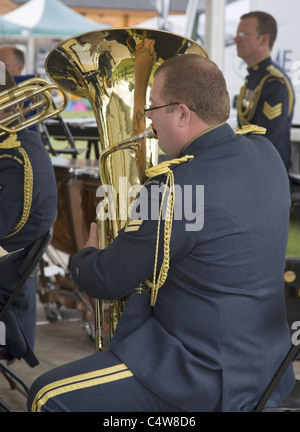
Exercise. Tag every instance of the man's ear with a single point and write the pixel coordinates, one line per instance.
(265, 39)
(185, 114)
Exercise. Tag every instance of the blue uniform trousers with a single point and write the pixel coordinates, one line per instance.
(98, 383)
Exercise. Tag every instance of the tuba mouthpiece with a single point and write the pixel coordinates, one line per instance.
(148, 133)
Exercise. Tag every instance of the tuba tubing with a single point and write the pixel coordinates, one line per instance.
(116, 307)
(129, 144)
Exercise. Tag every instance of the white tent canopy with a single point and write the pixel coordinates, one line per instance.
(50, 18)
(40, 20)
(9, 29)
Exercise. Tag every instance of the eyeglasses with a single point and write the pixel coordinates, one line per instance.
(148, 108)
(243, 34)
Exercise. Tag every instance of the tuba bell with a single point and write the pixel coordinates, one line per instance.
(114, 70)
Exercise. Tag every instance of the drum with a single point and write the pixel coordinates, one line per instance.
(77, 183)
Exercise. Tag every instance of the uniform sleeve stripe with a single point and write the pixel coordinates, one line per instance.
(78, 382)
(132, 228)
(133, 225)
(136, 222)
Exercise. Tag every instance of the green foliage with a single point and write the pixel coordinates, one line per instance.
(293, 248)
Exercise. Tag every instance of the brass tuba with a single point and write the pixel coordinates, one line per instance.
(114, 70)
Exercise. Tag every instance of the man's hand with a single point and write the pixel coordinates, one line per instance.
(93, 237)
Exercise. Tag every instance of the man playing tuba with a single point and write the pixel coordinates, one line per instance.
(212, 329)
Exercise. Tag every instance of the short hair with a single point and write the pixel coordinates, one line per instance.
(266, 24)
(199, 83)
(19, 54)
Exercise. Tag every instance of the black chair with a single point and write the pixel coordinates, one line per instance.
(292, 402)
(27, 269)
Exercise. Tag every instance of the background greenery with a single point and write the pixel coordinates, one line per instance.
(293, 249)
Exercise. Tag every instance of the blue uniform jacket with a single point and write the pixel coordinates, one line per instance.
(218, 328)
(267, 99)
(20, 319)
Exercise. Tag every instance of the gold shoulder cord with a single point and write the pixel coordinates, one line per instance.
(10, 143)
(164, 168)
(246, 114)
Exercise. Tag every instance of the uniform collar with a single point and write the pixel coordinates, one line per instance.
(261, 65)
(207, 138)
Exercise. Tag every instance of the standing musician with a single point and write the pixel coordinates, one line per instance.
(28, 206)
(212, 329)
(267, 97)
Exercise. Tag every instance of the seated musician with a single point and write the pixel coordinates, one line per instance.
(28, 206)
(212, 329)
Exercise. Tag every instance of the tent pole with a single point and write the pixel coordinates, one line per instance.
(30, 55)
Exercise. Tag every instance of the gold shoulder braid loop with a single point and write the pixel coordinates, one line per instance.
(10, 143)
(164, 168)
(250, 128)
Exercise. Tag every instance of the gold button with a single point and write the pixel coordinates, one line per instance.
(289, 276)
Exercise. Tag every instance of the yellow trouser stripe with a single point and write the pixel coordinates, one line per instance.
(78, 382)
